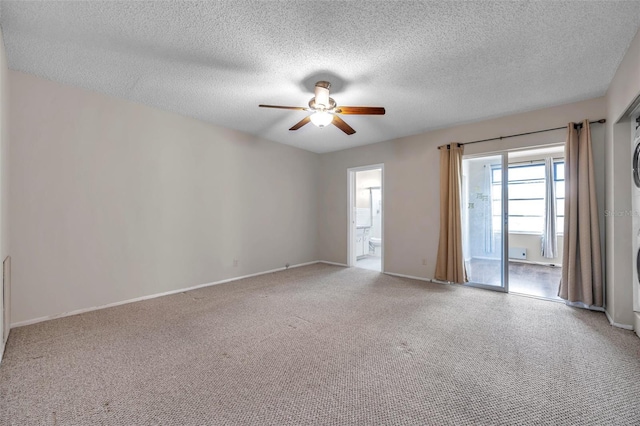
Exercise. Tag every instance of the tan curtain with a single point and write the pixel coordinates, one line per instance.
(450, 264)
(582, 267)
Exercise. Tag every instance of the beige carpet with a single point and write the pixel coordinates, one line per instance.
(324, 345)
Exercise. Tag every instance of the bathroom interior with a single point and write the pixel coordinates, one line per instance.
(368, 237)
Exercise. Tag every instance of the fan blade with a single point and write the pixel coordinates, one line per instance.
(283, 107)
(301, 123)
(340, 124)
(360, 110)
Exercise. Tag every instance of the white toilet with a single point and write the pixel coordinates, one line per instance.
(375, 246)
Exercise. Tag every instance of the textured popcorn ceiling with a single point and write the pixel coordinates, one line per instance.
(430, 64)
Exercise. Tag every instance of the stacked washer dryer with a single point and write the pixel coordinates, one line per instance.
(635, 204)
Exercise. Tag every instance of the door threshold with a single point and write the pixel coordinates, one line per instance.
(532, 296)
(486, 287)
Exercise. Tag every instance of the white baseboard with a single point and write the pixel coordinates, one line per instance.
(297, 265)
(151, 296)
(408, 276)
(168, 293)
(430, 280)
(615, 324)
(2, 352)
(582, 305)
(534, 262)
(332, 263)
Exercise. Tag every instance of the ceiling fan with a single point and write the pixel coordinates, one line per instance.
(325, 111)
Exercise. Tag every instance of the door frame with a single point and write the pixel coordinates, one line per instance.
(504, 243)
(351, 218)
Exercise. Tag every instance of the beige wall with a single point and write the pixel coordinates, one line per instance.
(113, 200)
(4, 171)
(622, 92)
(412, 181)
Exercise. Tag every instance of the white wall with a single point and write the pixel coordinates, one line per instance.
(622, 92)
(477, 202)
(114, 200)
(365, 180)
(532, 243)
(4, 172)
(412, 180)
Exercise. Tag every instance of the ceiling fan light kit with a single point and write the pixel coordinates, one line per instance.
(321, 118)
(324, 109)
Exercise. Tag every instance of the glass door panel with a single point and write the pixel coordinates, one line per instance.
(483, 221)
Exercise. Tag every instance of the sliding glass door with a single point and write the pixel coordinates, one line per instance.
(484, 220)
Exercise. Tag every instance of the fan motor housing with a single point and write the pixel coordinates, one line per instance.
(312, 104)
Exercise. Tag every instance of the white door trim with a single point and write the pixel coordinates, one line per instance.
(351, 219)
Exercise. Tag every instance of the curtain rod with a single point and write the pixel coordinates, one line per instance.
(448, 146)
(537, 162)
(576, 126)
(533, 161)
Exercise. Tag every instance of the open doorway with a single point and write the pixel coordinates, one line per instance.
(513, 219)
(366, 217)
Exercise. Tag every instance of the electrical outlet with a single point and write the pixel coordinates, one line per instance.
(235, 262)
(424, 261)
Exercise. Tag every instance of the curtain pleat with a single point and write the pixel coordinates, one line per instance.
(450, 262)
(582, 264)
